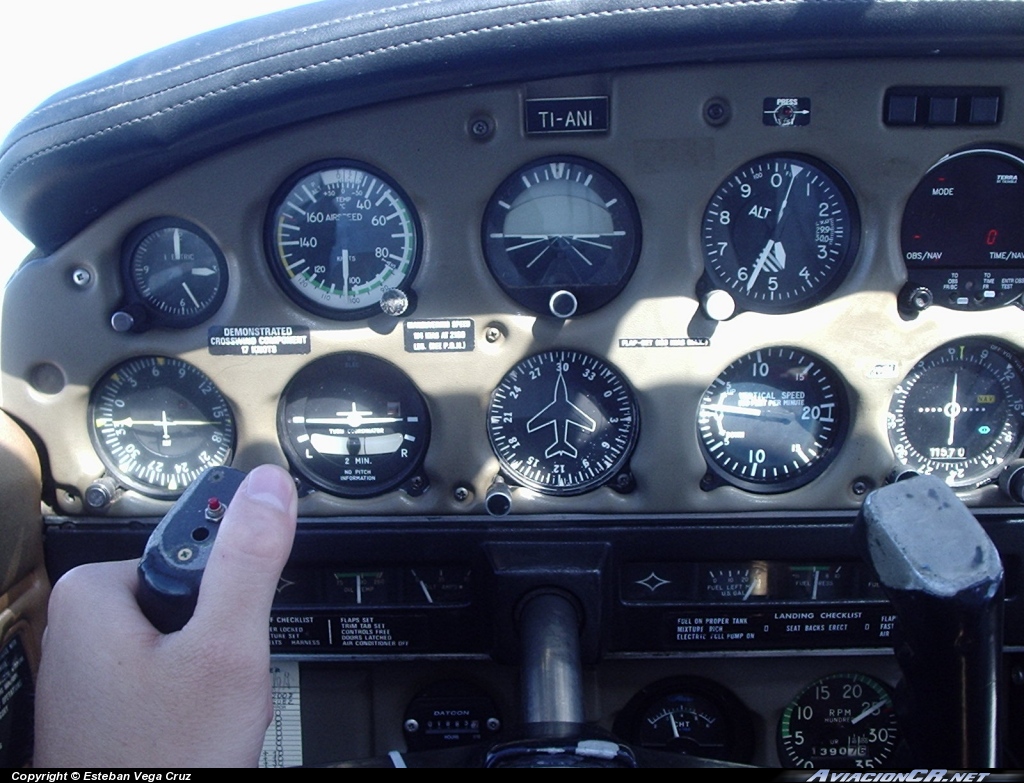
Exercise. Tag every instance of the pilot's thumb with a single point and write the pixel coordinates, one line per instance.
(252, 546)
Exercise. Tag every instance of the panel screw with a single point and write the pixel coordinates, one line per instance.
(493, 724)
(81, 277)
(461, 494)
(861, 486)
(717, 111)
(481, 128)
(492, 334)
(412, 725)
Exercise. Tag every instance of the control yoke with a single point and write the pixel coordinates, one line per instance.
(944, 576)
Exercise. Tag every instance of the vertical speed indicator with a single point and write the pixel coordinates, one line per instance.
(772, 421)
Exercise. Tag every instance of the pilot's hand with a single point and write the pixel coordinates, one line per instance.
(114, 691)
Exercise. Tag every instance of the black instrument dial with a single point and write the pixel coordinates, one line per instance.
(780, 234)
(960, 412)
(841, 721)
(772, 421)
(158, 422)
(355, 426)
(561, 236)
(688, 715)
(962, 233)
(175, 272)
(562, 422)
(340, 235)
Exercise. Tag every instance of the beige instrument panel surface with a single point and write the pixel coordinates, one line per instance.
(58, 342)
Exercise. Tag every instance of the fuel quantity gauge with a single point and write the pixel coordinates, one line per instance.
(735, 582)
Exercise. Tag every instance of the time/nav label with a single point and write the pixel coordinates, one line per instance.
(567, 115)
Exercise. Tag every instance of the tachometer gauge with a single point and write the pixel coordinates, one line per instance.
(157, 423)
(959, 414)
(688, 715)
(780, 234)
(340, 235)
(772, 421)
(841, 721)
(355, 426)
(563, 422)
(561, 236)
(174, 276)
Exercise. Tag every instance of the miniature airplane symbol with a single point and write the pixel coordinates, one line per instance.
(562, 414)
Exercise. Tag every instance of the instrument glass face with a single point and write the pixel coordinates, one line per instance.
(843, 720)
(562, 422)
(340, 235)
(780, 233)
(176, 271)
(959, 414)
(353, 425)
(158, 422)
(562, 236)
(773, 420)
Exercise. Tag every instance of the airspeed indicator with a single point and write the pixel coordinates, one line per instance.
(340, 235)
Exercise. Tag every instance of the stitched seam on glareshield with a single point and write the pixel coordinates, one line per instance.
(238, 47)
(410, 44)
